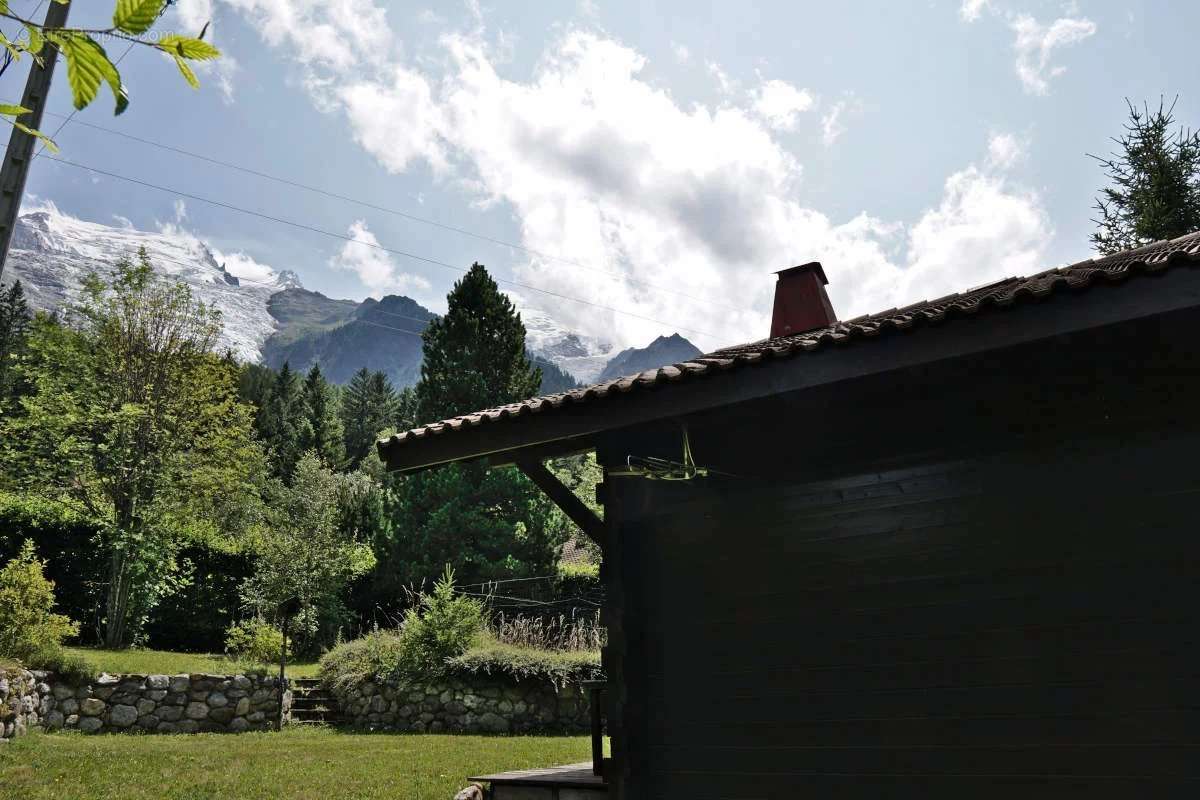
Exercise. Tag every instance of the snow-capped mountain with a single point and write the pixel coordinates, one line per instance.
(583, 356)
(52, 252)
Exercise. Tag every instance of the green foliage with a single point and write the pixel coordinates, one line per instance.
(280, 420)
(135, 424)
(1154, 190)
(529, 664)
(303, 552)
(443, 625)
(474, 355)
(369, 405)
(14, 332)
(365, 659)
(487, 524)
(321, 428)
(29, 630)
(254, 640)
(88, 65)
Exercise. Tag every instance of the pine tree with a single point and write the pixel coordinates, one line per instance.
(1154, 190)
(486, 524)
(474, 356)
(14, 330)
(321, 430)
(369, 405)
(280, 421)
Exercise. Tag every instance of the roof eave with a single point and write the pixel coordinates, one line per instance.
(998, 327)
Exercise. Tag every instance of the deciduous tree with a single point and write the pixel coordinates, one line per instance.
(131, 420)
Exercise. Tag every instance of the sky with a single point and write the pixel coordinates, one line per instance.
(634, 168)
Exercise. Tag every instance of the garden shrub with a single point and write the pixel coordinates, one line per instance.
(559, 667)
(373, 656)
(443, 625)
(29, 631)
(254, 640)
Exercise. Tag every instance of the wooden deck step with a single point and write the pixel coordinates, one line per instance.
(570, 782)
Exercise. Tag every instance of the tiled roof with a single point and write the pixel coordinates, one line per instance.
(1150, 259)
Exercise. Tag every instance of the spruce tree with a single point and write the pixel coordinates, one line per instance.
(14, 330)
(321, 429)
(1154, 190)
(369, 405)
(475, 355)
(280, 421)
(486, 524)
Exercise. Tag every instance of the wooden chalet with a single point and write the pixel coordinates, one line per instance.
(945, 551)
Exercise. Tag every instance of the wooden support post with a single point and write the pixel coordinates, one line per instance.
(565, 499)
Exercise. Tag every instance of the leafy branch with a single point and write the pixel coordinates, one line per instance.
(88, 65)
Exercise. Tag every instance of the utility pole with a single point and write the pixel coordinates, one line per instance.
(20, 145)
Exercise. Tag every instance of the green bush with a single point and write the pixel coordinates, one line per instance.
(254, 640)
(29, 632)
(443, 625)
(527, 663)
(373, 656)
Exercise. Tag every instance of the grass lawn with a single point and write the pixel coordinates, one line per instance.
(302, 763)
(164, 662)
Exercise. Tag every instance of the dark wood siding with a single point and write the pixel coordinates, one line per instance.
(977, 616)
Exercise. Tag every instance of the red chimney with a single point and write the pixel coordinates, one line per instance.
(801, 303)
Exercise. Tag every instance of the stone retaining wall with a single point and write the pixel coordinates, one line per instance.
(20, 701)
(143, 703)
(476, 705)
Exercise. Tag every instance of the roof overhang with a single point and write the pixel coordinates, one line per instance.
(575, 427)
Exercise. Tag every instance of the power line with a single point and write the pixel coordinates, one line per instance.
(156, 257)
(396, 212)
(346, 238)
(74, 111)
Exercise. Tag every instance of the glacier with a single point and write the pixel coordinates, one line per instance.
(53, 251)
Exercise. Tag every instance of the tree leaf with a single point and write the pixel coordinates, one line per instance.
(87, 66)
(187, 47)
(50, 145)
(187, 73)
(136, 16)
(36, 41)
(13, 110)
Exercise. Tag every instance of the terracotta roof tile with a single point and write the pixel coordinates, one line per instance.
(1004, 293)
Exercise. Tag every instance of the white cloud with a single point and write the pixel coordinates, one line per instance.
(191, 17)
(725, 84)
(1005, 150)
(394, 118)
(681, 52)
(373, 265)
(780, 103)
(124, 222)
(1035, 44)
(339, 35)
(241, 265)
(597, 163)
(832, 124)
(971, 10)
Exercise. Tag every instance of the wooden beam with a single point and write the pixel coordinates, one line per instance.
(565, 499)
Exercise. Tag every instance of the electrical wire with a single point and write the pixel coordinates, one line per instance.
(403, 214)
(116, 63)
(377, 246)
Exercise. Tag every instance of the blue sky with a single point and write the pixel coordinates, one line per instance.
(669, 155)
